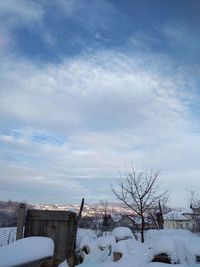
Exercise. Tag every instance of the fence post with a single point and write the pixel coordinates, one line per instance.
(20, 220)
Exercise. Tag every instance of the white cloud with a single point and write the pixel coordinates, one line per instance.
(72, 94)
(33, 184)
(64, 126)
(19, 13)
(108, 110)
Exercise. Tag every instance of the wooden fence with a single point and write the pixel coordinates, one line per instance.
(58, 225)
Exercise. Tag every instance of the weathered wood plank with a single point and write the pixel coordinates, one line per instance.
(58, 225)
(48, 215)
(20, 220)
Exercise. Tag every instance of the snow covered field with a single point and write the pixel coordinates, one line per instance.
(181, 247)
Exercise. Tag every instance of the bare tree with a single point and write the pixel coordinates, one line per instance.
(104, 206)
(194, 201)
(156, 215)
(106, 215)
(140, 191)
(96, 217)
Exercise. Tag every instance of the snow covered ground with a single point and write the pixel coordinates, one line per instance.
(181, 246)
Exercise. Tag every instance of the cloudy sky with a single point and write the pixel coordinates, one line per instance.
(89, 86)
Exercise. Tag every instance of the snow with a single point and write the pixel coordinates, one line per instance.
(105, 241)
(73, 210)
(85, 232)
(177, 243)
(26, 250)
(182, 246)
(187, 211)
(194, 246)
(176, 234)
(175, 215)
(87, 241)
(165, 245)
(122, 233)
(126, 247)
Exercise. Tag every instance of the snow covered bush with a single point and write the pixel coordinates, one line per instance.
(173, 248)
(164, 250)
(104, 242)
(26, 250)
(122, 233)
(120, 249)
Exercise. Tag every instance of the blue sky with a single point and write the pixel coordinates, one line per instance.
(89, 86)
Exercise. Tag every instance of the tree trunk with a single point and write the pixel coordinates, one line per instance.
(142, 229)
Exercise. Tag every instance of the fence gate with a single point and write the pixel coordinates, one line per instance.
(58, 225)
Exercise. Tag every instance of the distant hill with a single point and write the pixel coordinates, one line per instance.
(8, 210)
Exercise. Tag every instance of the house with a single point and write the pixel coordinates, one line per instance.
(181, 219)
(193, 215)
(118, 220)
(133, 222)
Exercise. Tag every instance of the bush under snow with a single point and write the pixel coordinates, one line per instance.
(121, 233)
(26, 250)
(177, 244)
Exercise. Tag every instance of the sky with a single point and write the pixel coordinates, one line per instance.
(89, 87)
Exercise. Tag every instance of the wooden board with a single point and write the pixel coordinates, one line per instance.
(58, 225)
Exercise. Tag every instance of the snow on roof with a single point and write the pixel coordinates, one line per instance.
(122, 232)
(187, 211)
(26, 250)
(175, 216)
